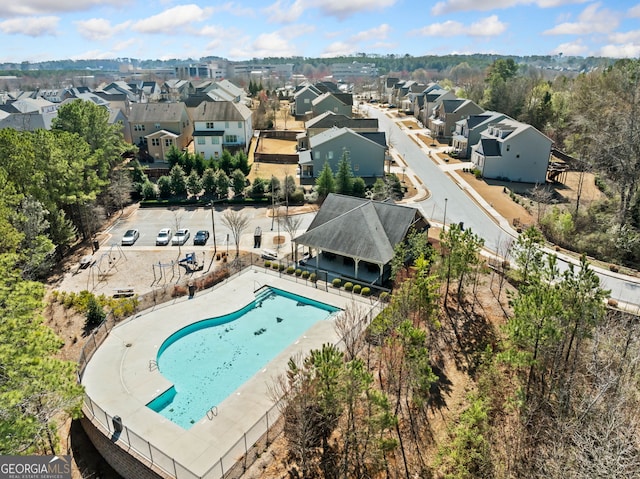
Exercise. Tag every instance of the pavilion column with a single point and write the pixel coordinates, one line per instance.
(356, 261)
(381, 266)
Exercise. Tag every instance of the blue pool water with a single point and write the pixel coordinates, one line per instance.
(208, 360)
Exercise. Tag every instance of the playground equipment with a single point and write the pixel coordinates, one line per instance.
(101, 267)
(190, 262)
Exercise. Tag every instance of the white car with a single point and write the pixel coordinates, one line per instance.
(163, 237)
(130, 237)
(181, 237)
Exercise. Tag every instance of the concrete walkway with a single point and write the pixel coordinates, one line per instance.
(121, 378)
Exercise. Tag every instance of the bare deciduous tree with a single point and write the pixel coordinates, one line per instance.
(237, 222)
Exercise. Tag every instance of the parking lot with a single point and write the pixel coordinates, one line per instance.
(143, 266)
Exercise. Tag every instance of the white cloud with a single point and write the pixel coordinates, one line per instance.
(451, 6)
(345, 8)
(628, 50)
(625, 37)
(571, 48)
(39, 7)
(274, 44)
(283, 11)
(99, 29)
(591, 20)
(634, 11)
(338, 49)
(125, 44)
(172, 20)
(30, 26)
(94, 55)
(485, 27)
(377, 33)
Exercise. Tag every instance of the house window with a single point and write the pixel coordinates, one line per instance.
(157, 126)
(138, 127)
(508, 147)
(330, 155)
(231, 139)
(210, 125)
(226, 124)
(356, 167)
(143, 141)
(155, 141)
(240, 125)
(317, 155)
(168, 141)
(201, 140)
(215, 140)
(306, 100)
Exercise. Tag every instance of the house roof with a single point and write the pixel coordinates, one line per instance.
(488, 147)
(360, 228)
(330, 119)
(332, 133)
(449, 106)
(158, 112)
(208, 133)
(378, 136)
(324, 97)
(220, 111)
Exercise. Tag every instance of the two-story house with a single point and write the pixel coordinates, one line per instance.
(329, 120)
(514, 151)
(302, 98)
(366, 153)
(220, 125)
(468, 130)
(433, 96)
(445, 115)
(158, 126)
(330, 102)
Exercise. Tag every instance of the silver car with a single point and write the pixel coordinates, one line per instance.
(130, 237)
(181, 237)
(164, 236)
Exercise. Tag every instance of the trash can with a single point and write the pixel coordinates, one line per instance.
(192, 290)
(96, 245)
(117, 424)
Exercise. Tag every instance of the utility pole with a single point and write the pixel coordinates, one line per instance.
(444, 220)
(213, 226)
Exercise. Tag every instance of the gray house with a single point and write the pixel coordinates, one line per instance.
(514, 151)
(366, 152)
(445, 115)
(354, 238)
(329, 102)
(301, 104)
(329, 120)
(468, 131)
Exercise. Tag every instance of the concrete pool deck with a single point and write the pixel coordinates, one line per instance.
(121, 378)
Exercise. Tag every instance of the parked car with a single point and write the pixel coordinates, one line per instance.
(201, 237)
(269, 254)
(164, 235)
(130, 237)
(181, 237)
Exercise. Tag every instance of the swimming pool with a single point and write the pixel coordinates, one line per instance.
(208, 360)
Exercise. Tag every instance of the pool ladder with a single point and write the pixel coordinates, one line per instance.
(153, 365)
(211, 413)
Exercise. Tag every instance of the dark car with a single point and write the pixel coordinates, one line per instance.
(201, 237)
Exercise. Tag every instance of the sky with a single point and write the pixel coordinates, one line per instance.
(42, 30)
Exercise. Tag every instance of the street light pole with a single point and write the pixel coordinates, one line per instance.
(444, 220)
(213, 226)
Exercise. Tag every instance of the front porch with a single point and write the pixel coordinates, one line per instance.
(347, 268)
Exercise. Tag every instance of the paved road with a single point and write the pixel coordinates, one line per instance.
(450, 198)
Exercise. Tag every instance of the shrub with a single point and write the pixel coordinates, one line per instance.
(281, 267)
(274, 265)
(95, 313)
(612, 302)
(384, 296)
(348, 286)
(357, 288)
(614, 268)
(298, 272)
(305, 274)
(313, 277)
(337, 282)
(290, 270)
(267, 264)
(366, 291)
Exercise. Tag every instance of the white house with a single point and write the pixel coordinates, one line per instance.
(219, 125)
(514, 151)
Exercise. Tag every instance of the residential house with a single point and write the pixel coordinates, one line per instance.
(355, 238)
(328, 120)
(220, 125)
(366, 153)
(468, 131)
(445, 115)
(513, 151)
(28, 114)
(330, 102)
(157, 127)
(302, 98)
(224, 90)
(120, 87)
(177, 90)
(433, 96)
(389, 86)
